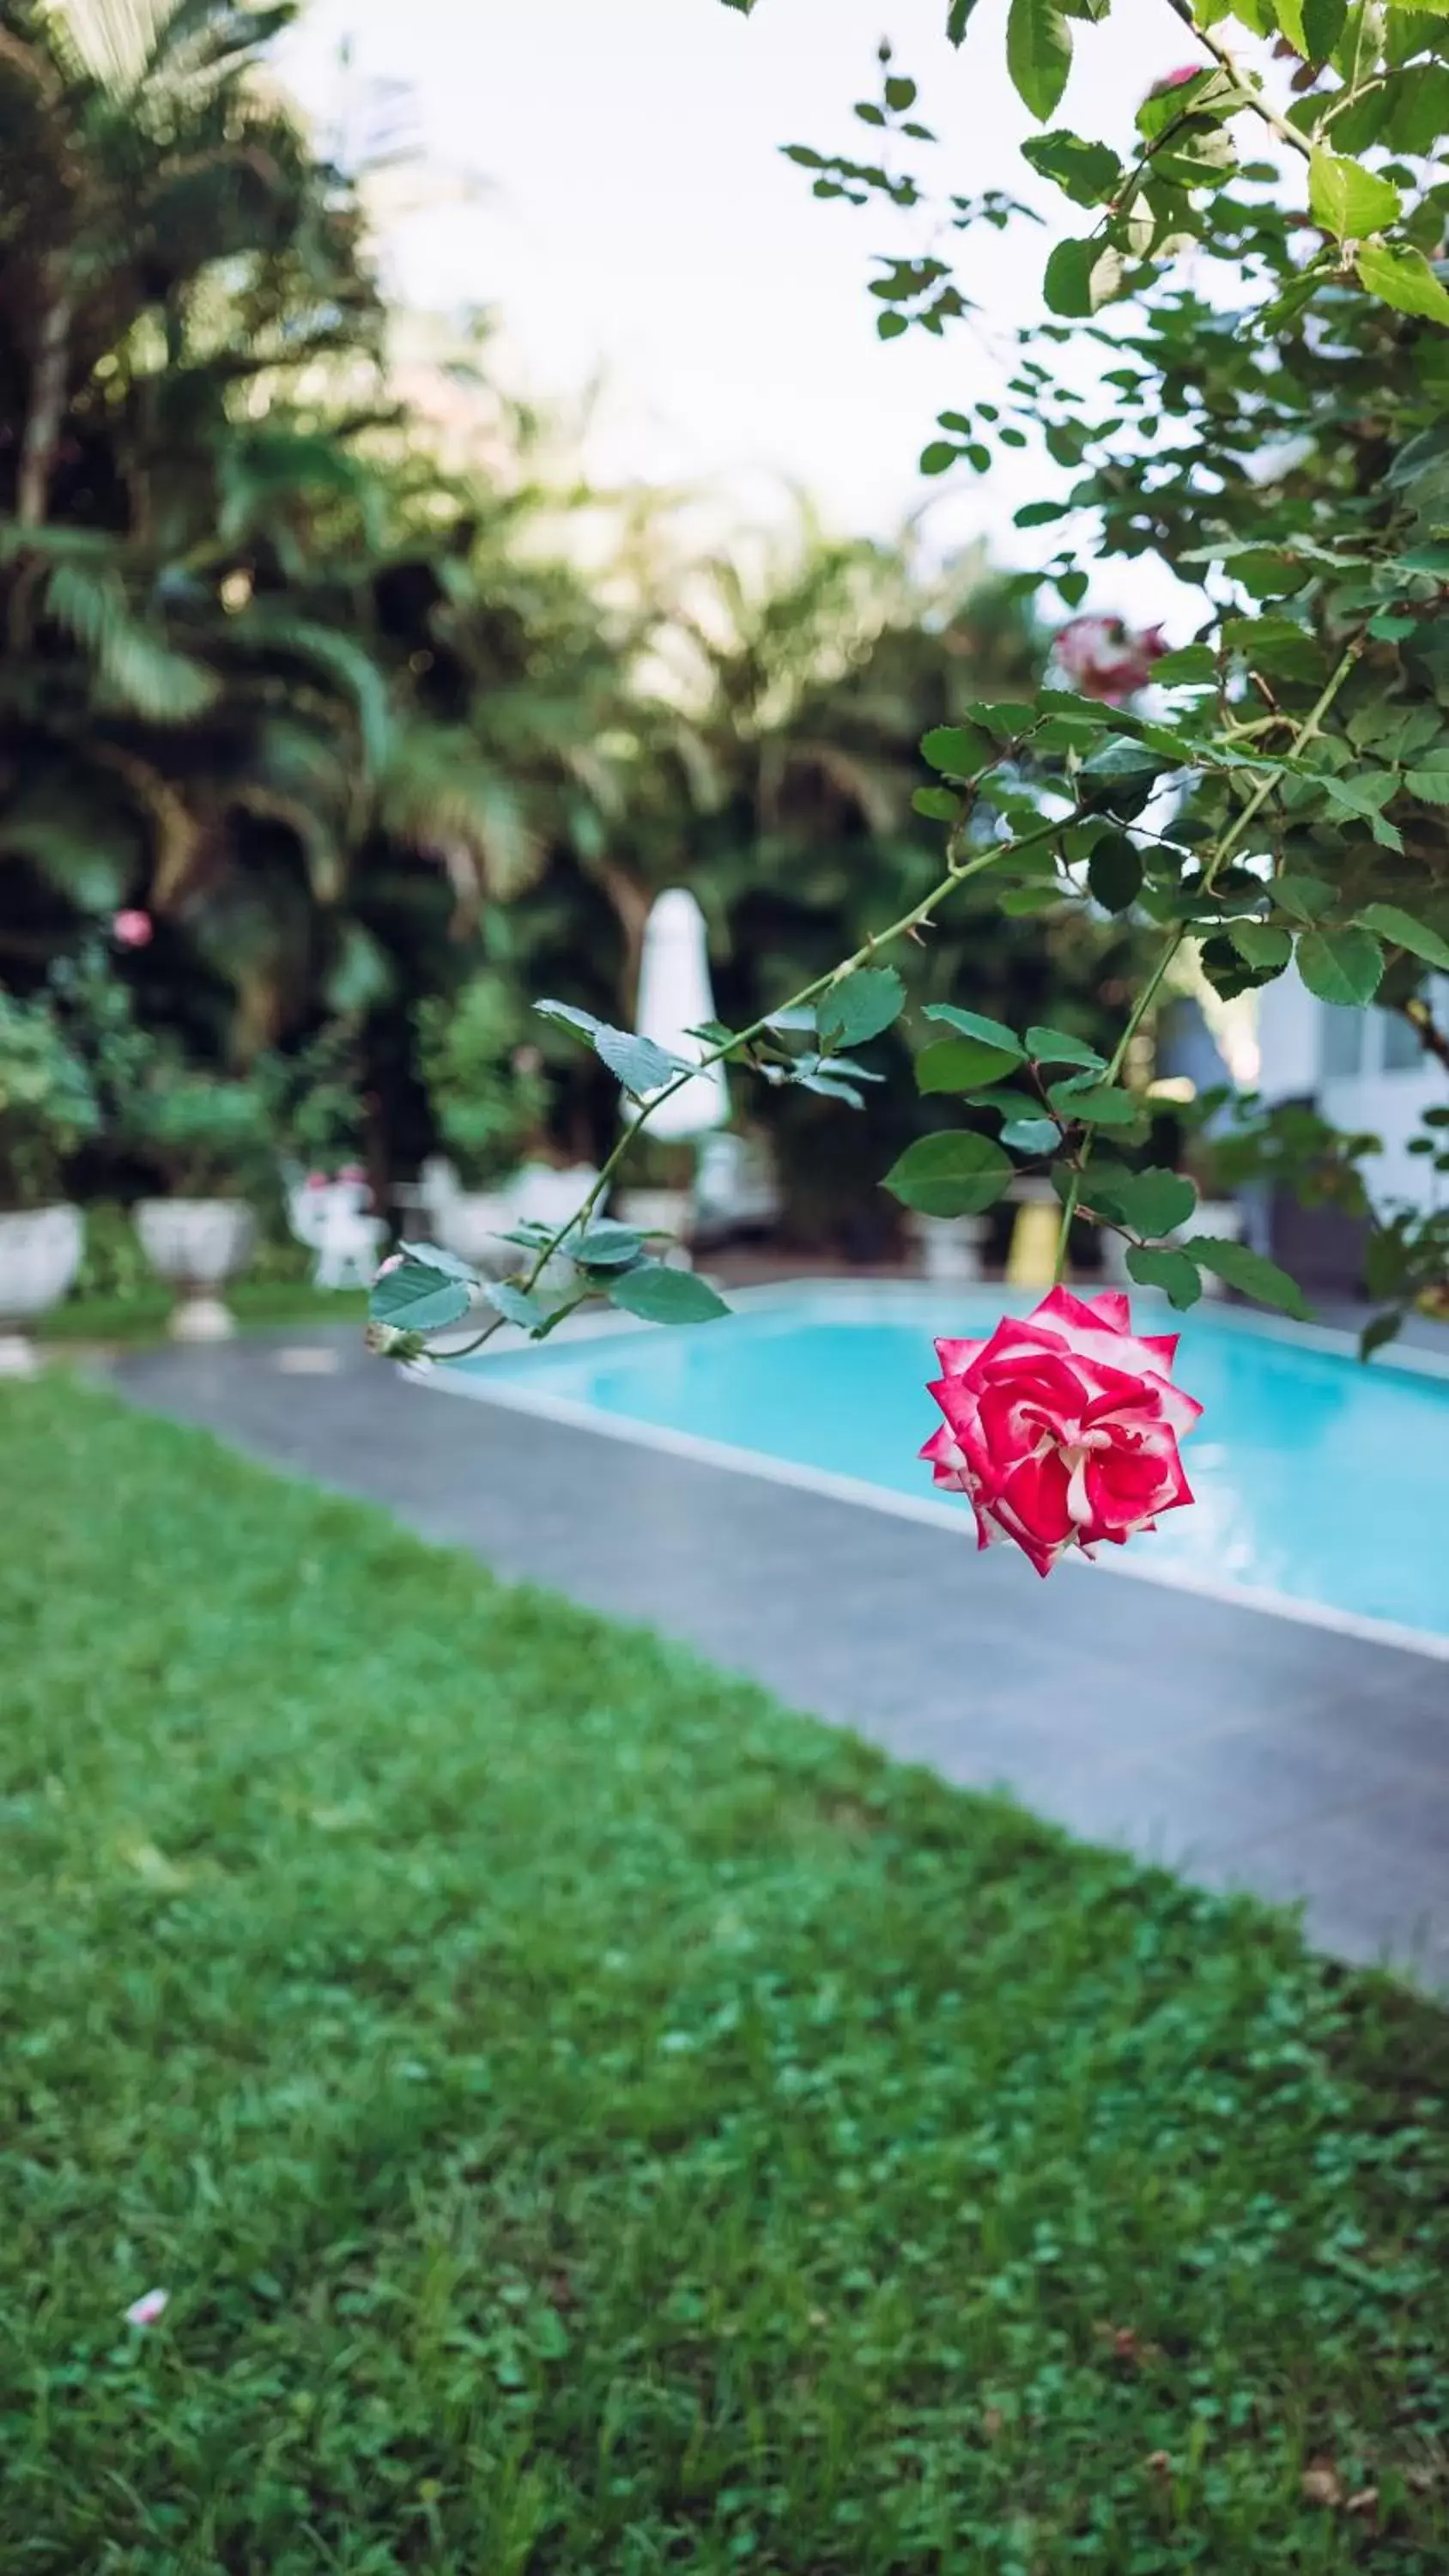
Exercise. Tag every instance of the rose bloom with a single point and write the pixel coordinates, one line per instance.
(1062, 1429)
(1174, 80)
(1105, 659)
(131, 929)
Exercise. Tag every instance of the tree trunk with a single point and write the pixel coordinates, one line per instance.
(631, 902)
(46, 414)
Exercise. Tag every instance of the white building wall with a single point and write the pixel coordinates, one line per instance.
(1362, 1073)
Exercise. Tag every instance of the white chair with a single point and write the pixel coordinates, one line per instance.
(334, 1220)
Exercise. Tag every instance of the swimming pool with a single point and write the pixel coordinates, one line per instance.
(1322, 1487)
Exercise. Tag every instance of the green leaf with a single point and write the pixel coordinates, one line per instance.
(1348, 200)
(938, 804)
(1379, 1330)
(1100, 1104)
(1262, 943)
(1431, 782)
(1056, 1046)
(1344, 966)
(1252, 1275)
(665, 1296)
(900, 93)
(962, 1064)
(1154, 1202)
(1403, 931)
(1080, 277)
(605, 1245)
(1038, 54)
(1174, 1272)
(958, 18)
(636, 1062)
(1088, 173)
(1323, 25)
(939, 456)
(974, 1024)
(433, 1257)
(1303, 895)
(417, 1297)
(1029, 1135)
(1189, 666)
(953, 1175)
(959, 750)
(867, 1002)
(1114, 872)
(515, 1304)
(1403, 279)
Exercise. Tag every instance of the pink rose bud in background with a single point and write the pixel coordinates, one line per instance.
(1174, 80)
(1062, 1429)
(352, 1172)
(316, 1180)
(1104, 659)
(131, 929)
(149, 2309)
(393, 1262)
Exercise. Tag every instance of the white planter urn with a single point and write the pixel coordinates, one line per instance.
(40, 1251)
(949, 1248)
(197, 1244)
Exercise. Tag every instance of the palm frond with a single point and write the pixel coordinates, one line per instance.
(140, 673)
(261, 629)
(442, 797)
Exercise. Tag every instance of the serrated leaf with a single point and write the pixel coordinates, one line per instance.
(605, 1245)
(1038, 54)
(962, 1064)
(417, 1298)
(1088, 173)
(1114, 873)
(860, 1008)
(1349, 201)
(1192, 664)
(958, 750)
(1029, 1135)
(959, 1174)
(516, 1305)
(938, 804)
(1262, 943)
(958, 18)
(637, 1063)
(974, 1024)
(1430, 783)
(1403, 931)
(1080, 277)
(1173, 1272)
(433, 1257)
(1303, 895)
(1099, 1104)
(1344, 966)
(1057, 1046)
(1155, 1202)
(664, 1296)
(1404, 280)
(1252, 1274)
(1379, 1330)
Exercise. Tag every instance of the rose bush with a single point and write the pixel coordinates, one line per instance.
(1062, 1429)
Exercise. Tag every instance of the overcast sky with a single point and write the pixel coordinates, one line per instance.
(607, 174)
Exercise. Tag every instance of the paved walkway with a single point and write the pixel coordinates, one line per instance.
(1240, 1748)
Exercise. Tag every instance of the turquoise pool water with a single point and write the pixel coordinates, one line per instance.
(1316, 1479)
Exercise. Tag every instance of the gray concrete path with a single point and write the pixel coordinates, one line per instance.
(1240, 1748)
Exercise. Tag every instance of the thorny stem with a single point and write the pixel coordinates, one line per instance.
(958, 872)
(1231, 838)
(1252, 99)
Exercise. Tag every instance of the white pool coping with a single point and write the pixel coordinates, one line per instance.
(873, 1297)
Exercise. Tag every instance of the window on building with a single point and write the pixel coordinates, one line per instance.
(1340, 1042)
(1403, 1052)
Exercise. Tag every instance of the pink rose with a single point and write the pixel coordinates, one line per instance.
(131, 929)
(1062, 1429)
(1174, 80)
(149, 2309)
(1104, 658)
(316, 1181)
(352, 1172)
(394, 1261)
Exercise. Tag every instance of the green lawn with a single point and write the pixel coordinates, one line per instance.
(257, 1304)
(590, 2120)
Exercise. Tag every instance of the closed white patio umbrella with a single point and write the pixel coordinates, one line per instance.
(675, 996)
